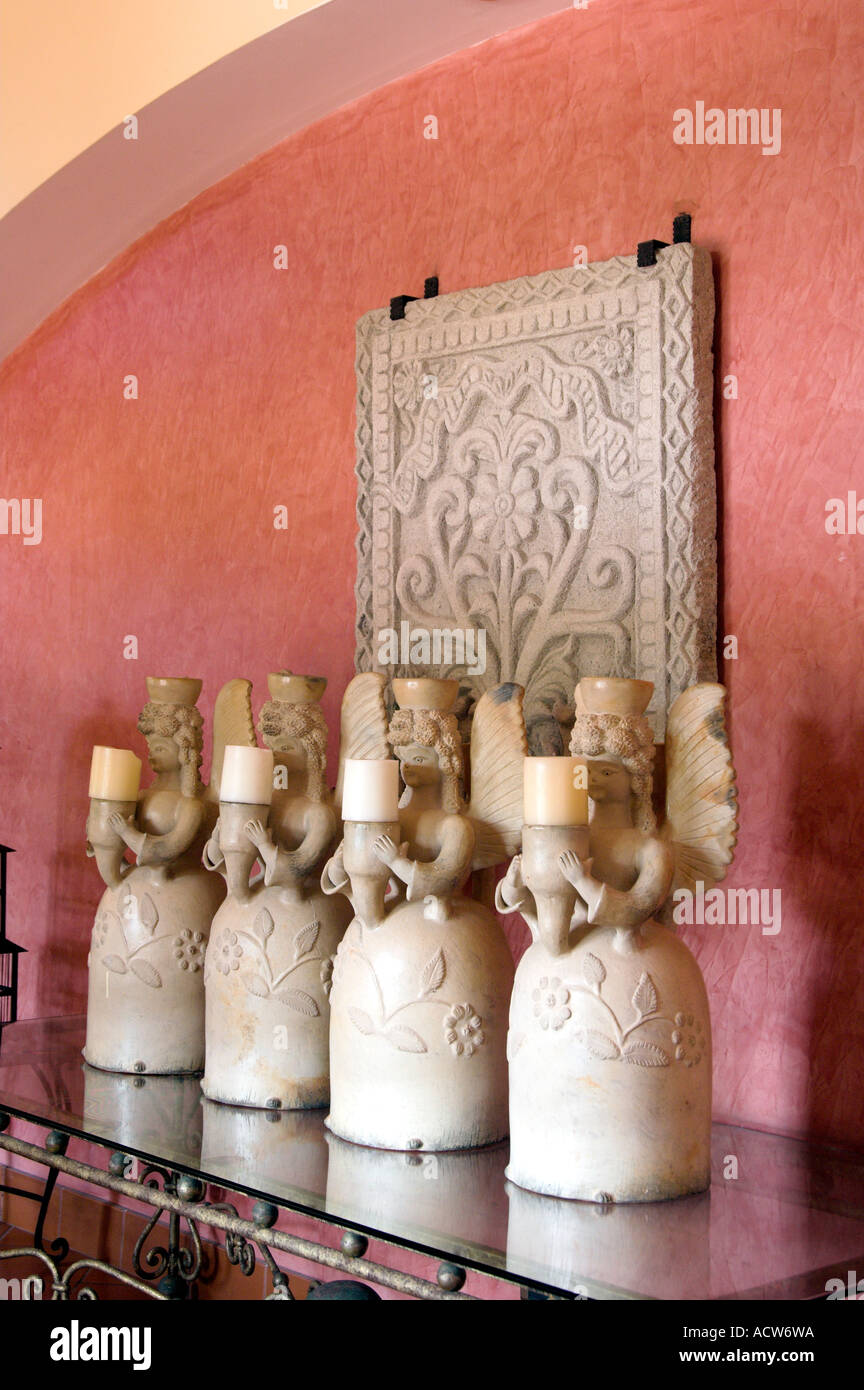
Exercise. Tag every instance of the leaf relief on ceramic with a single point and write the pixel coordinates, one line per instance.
(616, 1040)
(462, 1025)
(247, 953)
(138, 919)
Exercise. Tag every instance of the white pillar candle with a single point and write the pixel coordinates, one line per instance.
(370, 790)
(555, 792)
(247, 775)
(115, 774)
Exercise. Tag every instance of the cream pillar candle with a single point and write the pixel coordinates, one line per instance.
(555, 792)
(247, 775)
(371, 790)
(115, 774)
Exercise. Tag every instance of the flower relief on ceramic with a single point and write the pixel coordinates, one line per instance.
(145, 1010)
(270, 957)
(424, 973)
(610, 1038)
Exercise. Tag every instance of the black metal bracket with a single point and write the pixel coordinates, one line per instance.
(398, 302)
(646, 251)
(9, 953)
(55, 1142)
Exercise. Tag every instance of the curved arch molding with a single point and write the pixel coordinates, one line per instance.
(202, 130)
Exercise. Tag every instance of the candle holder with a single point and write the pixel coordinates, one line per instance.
(270, 959)
(423, 978)
(610, 1039)
(555, 898)
(367, 874)
(104, 843)
(145, 1009)
(238, 852)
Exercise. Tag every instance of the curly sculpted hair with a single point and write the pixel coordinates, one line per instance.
(433, 728)
(629, 739)
(306, 723)
(183, 724)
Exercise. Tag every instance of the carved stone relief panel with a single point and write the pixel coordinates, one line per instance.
(535, 461)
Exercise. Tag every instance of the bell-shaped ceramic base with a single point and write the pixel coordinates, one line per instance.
(610, 1069)
(145, 1008)
(418, 1030)
(269, 965)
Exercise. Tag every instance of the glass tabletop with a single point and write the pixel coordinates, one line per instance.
(781, 1218)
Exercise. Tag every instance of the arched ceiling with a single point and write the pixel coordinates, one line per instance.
(70, 73)
(213, 83)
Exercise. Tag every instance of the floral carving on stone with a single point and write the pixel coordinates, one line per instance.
(535, 459)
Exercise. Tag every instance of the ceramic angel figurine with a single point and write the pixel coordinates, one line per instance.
(421, 989)
(610, 1036)
(145, 1010)
(270, 957)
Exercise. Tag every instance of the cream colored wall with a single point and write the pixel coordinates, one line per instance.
(71, 70)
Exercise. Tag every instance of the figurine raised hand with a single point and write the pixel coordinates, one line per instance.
(334, 876)
(578, 872)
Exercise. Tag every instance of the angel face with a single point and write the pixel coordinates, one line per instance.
(162, 753)
(608, 780)
(419, 765)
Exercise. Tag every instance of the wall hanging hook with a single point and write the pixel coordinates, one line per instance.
(646, 251)
(398, 302)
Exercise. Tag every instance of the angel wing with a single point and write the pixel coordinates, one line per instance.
(701, 797)
(232, 723)
(363, 726)
(499, 745)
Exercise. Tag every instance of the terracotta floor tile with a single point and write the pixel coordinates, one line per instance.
(222, 1280)
(93, 1226)
(12, 1236)
(109, 1290)
(26, 1267)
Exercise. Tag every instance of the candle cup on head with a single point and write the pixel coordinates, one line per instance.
(245, 794)
(556, 819)
(115, 777)
(370, 809)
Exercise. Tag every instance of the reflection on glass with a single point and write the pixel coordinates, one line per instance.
(265, 1146)
(781, 1218)
(458, 1192)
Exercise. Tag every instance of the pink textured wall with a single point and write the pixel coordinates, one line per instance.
(158, 512)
